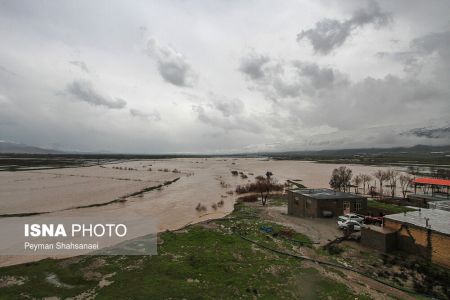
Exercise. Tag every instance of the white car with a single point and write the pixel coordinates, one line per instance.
(344, 224)
(353, 217)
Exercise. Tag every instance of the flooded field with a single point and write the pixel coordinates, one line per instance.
(91, 191)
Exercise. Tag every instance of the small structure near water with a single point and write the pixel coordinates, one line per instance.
(425, 232)
(323, 203)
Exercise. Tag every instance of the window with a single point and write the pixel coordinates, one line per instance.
(296, 199)
(358, 206)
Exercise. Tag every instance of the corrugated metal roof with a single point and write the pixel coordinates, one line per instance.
(444, 205)
(438, 220)
(432, 181)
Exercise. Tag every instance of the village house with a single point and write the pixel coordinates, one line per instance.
(425, 232)
(323, 203)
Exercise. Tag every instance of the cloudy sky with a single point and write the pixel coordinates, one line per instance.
(224, 76)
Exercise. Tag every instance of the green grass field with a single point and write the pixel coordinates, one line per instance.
(206, 261)
(386, 208)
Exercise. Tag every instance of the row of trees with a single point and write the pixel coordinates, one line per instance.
(342, 179)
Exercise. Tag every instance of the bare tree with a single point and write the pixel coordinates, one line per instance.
(340, 178)
(405, 183)
(357, 181)
(382, 176)
(365, 180)
(392, 177)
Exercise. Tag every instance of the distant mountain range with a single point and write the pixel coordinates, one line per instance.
(18, 148)
(418, 149)
(12, 147)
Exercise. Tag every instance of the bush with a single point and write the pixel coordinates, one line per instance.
(334, 249)
(200, 207)
(249, 198)
(235, 173)
(256, 187)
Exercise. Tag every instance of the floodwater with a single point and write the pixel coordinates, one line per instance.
(202, 180)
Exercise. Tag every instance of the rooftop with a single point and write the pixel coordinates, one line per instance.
(444, 205)
(439, 220)
(434, 197)
(432, 181)
(325, 194)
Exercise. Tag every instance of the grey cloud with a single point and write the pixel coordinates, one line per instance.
(172, 65)
(432, 133)
(80, 64)
(420, 50)
(7, 71)
(252, 65)
(234, 123)
(226, 114)
(228, 107)
(329, 34)
(313, 95)
(435, 41)
(83, 90)
(377, 101)
(320, 77)
(282, 79)
(154, 116)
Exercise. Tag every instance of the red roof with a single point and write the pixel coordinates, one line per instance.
(432, 181)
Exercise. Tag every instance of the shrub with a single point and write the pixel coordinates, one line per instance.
(249, 198)
(334, 249)
(235, 173)
(200, 207)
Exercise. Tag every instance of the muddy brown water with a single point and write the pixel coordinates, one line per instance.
(202, 180)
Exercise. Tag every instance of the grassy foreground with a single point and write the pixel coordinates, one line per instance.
(205, 261)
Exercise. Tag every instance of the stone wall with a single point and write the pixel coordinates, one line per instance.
(418, 240)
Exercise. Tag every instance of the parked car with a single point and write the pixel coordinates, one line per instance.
(344, 224)
(373, 220)
(353, 217)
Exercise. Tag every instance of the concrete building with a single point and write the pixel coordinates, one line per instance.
(323, 202)
(424, 232)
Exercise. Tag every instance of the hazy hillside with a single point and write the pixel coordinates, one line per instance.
(11, 147)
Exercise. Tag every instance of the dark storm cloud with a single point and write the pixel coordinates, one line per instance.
(329, 34)
(83, 90)
(172, 65)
